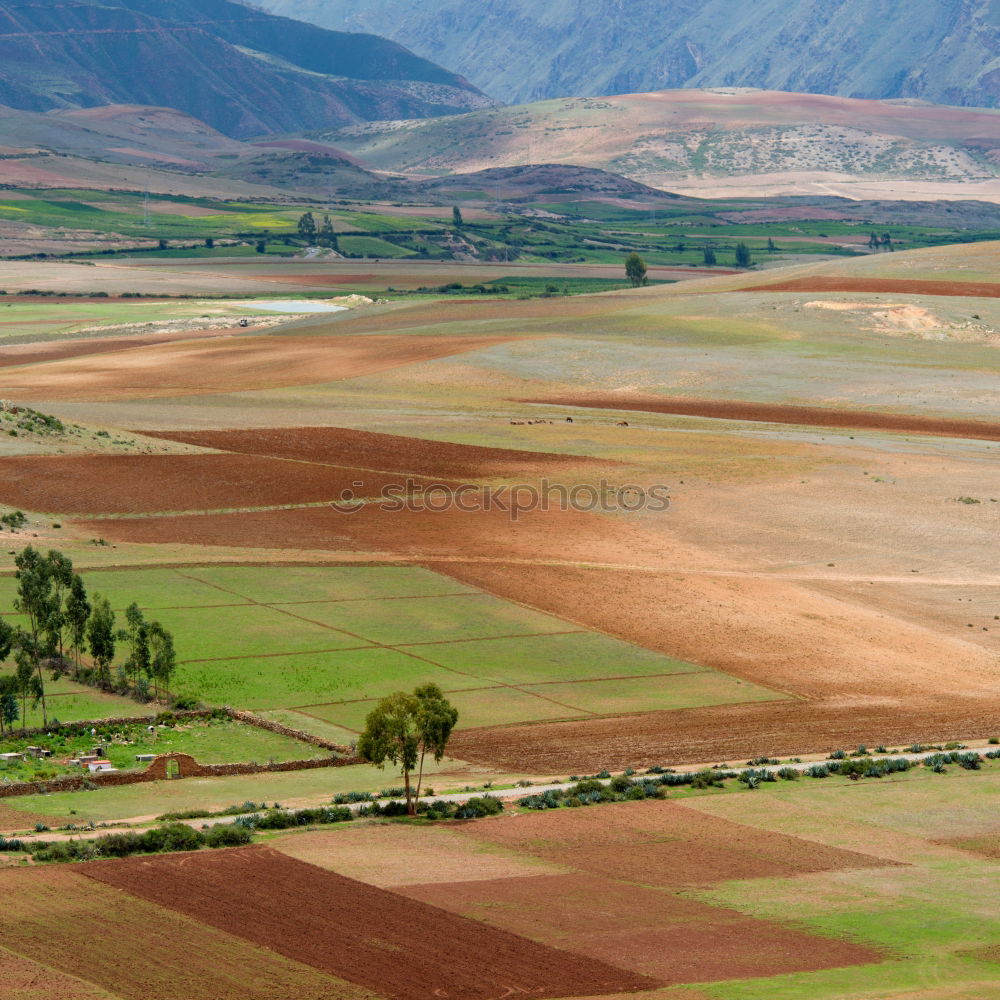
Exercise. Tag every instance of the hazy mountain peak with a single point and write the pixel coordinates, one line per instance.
(946, 51)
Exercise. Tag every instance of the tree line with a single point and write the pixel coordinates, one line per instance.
(62, 625)
(322, 235)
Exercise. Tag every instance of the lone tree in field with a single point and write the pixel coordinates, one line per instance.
(456, 217)
(635, 269)
(743, 258)
(709, 256)
(404, 729)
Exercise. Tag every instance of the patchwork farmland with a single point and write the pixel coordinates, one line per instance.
(812, 585)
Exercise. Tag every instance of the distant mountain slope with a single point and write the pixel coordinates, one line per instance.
(946, 51)
(661, 138)
(241, 70)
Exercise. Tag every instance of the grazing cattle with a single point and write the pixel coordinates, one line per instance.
(622, 423)
(569, 420)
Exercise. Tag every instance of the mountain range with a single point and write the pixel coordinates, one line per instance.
(945, 51)
(241, 70)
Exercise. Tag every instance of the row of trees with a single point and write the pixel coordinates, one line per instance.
(322, 235)
(60, 619)
(635, 266)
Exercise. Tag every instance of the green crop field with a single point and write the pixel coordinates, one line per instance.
(212, 741)
(328, 642)
(934, 917)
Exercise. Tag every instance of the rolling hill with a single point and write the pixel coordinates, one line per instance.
(686, 139)
(518, 51)
(241, 70)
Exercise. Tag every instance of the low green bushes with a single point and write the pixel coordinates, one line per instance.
(160, 839)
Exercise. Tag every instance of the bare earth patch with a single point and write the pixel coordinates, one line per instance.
(54, 916)
(408, 455)
(121, 484)
(783, 413)
(397, 947)
(389, 856)
(208, 366)
(656, 933)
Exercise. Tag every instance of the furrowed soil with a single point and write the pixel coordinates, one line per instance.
(664, 844)
(674, 939)
(24, 979)
(393, 452)
(139, 951)
(781, 413)
(397, 947)
(123, 484)
(728, 733)
(216, 365)
(892, 286)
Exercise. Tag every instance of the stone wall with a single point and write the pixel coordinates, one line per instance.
(187, 767)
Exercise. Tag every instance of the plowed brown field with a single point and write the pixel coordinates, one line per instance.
(24, 979)
(121, 484)
(656, 933)
(892, 286)
(392, 452)
(664, 844)
(730, 733)
(399, 947)
(230, 364)
(138, 951)
(781, 413)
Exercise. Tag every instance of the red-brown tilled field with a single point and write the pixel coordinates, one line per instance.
(893, 286)
(398, 947)
(664, 844)
(392, 452)
(128, 484)
(781, 413)
(671, 938)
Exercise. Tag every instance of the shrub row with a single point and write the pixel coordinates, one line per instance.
(286, 819)
(622, 788)
(474, 808)
(657, 779)
(172, 837)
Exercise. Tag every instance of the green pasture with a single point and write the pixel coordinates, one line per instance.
(208, 741)
(434, 619)
(372, 246)
(934, 917)
(331, 641)
(306, 679)
(123, 212)
(530, 659)
(494, 706)
(649, 694)
(306, 584)
(23, 321)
